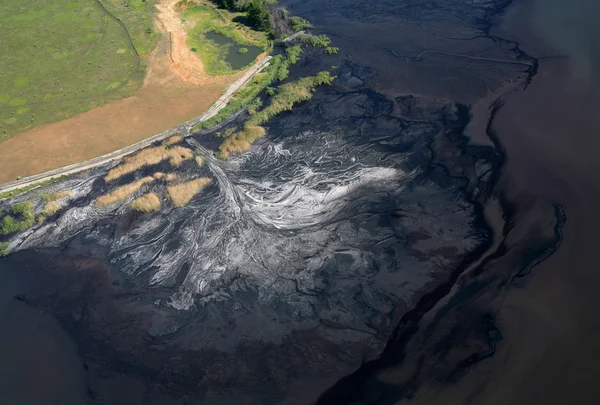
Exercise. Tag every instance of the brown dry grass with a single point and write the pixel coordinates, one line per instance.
(241, 141)
(174, 139)
(151, 156)
(146, 203)
(122, 192)
(181, 194)
(199, 160)
(58, 195)
(52, 205)
(158, 175)
(51, 208)
(171, 177)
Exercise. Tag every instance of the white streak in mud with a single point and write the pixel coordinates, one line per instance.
(252, 245)
(295, 205)
(73, 220)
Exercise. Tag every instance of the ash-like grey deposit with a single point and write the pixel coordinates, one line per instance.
(305, 257)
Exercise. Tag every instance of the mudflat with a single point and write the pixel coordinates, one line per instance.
(550, 132)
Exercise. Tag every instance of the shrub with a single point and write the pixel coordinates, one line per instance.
(4, 251)
(243, 50)
(293, 53)
(299, 24)
(332, 50)
(20, 219)
(254, 106)
(319, 41)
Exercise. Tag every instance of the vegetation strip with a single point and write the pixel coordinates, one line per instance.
(151, 156)
(284, 98)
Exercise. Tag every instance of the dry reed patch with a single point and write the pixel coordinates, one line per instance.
(174, 139)
(151, 156)
(51, 208)
(58, 195)
(122, 192)
(241, 141)
(52, 205)
(181, 194)
(146, 203)
(199, 160)
(167, 176)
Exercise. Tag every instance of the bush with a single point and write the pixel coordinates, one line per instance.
(331, 50)
(22, 218)
(293, 54)
(254, 106)
(243, 50)
(4, 249)
(299, 24)
(319, 41)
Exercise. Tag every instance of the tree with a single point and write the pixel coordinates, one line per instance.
(258, 17)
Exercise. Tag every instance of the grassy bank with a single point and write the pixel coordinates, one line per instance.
(278, 69)
(215, 37)
(62, 58)
(12, 193)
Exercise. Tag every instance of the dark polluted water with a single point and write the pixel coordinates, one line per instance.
(357, 254)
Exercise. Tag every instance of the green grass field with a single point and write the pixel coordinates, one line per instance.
(137, 17)
(204, 19)
(64, 57)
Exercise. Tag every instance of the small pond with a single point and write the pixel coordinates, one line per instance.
(237, 59)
